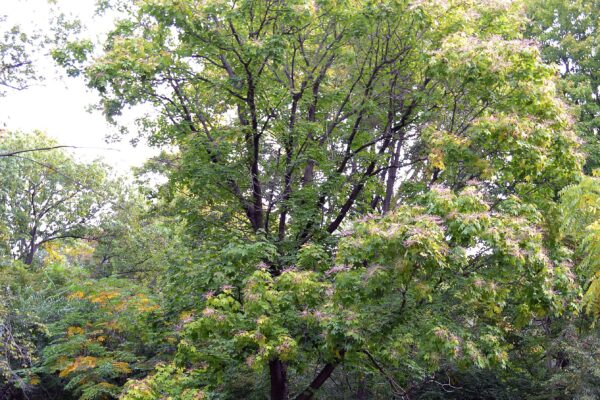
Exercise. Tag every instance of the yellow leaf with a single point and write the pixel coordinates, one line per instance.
(76, 295)
(436, 158)
(122, 367)
(80, 364)
(74, 330)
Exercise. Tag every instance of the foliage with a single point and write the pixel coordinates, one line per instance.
(166, 382)
(16, 51)
(581, 210)
(102, 339)
(20, 330)
(368, 199)
(569, 32)
(138, 242)
(290, 120)
(443, 280)
(47, 196)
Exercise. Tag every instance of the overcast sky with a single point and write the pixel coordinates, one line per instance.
(58, 105)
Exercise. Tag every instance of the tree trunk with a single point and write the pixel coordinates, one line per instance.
(361, 393)
(29, 257)
(279, 384)
(32, 247)
(321, 378)
(391, 178)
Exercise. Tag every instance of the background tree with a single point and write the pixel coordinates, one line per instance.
(140, 241)
(17, 69)
(47, 196)
(569, 32)
(66, 331)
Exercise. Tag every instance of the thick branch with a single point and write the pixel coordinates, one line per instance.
(320, 379)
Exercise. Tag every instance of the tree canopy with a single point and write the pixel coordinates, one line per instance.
(47, 195)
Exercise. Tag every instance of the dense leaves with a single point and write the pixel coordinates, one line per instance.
(47, 195)
(101, 339)
(569, 32)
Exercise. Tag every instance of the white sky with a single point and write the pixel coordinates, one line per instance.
(58, 105)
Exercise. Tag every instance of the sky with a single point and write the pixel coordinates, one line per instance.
(58, 105)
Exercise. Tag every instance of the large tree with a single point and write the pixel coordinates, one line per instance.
(291, 119)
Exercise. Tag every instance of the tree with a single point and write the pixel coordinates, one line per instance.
(16, 65)
(176, 63)
(47, 196)
(139, 242)
(569, 32)
(21, 49)
(293, 118)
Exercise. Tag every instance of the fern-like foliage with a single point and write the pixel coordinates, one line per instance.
(581, 224)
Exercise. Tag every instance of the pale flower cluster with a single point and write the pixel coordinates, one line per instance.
(469, 5)
(462, 49)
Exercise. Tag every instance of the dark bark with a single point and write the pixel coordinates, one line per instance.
(357, 190)
(30, 254)
(309, 170)
(257, 222)
(320, 379)
(287, 192)
(362, 392)
(287, 180)
(279, 383)
(391, 177)
(32, 247)
(257, 212)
